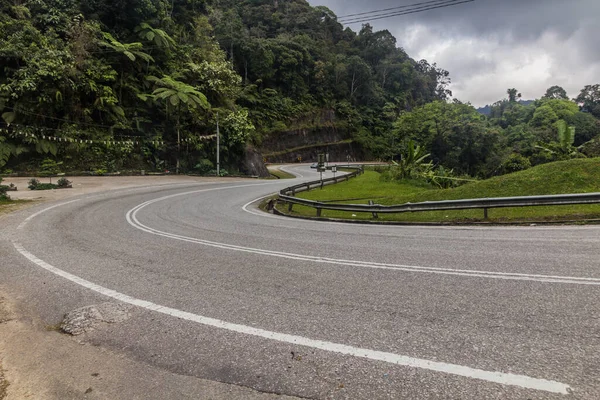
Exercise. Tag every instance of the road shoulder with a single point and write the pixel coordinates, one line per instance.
(38, 361)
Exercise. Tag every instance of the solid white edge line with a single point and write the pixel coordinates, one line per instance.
(503, 378)
(131, 218)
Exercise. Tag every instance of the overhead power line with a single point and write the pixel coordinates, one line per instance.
(378, 15)
(347, 16)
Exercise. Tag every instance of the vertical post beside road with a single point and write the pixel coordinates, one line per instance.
(375, 215)
(218, 145)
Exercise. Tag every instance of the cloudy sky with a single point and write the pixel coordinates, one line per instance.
(491, 45)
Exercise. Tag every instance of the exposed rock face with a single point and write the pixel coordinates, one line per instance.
(304, 144)
(318, 132)
(254, 164)
(84, 319)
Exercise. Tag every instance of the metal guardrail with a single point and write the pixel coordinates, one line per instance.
(485, 203)
(290, 192)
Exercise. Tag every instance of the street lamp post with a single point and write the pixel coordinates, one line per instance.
(218, 148)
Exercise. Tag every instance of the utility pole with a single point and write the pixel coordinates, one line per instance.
(218, 146)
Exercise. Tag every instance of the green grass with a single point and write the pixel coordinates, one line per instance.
(279, 174)
(575, 176)
(7, 206)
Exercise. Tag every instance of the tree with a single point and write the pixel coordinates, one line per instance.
(564, 149)
(586, 127)
(455, 134)
(359, 76)
(556, 92)
(589, 99)
(513, 95)
(177, 95)
(130, 50)
(543, 117)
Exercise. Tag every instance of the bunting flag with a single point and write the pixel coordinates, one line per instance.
(137, 141)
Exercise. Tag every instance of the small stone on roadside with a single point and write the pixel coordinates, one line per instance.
(85, 319)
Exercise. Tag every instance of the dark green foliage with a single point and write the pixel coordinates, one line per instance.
(589, 98)
(85, 70)
(203, 167)
(515, 162)
(63, 183)
(3, 190)
(35, 184)
(591, 148)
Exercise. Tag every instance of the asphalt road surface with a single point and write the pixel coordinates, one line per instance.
(221, 291)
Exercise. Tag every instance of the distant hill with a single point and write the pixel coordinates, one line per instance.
(487, 110)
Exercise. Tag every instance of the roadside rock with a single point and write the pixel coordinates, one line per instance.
(87, 318)
(253, 164)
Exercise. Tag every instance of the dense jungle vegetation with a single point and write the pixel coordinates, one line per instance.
(113, 85)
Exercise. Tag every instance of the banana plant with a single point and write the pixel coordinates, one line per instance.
(413, 160)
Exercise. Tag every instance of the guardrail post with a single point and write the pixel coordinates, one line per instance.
(318, 212)
(375, 215)
(290, 205)
(308, 187)
(293, 192)
(485, 213)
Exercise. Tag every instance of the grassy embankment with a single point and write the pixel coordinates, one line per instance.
(280, 174)
(575, 176)
(7, 206)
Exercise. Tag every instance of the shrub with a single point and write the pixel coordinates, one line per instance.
(514, 163)
(63, 183)
(33, 183)
(3, 189)
(204, 166)
(222, 172)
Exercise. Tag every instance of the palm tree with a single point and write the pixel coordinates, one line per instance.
(159, 37)
(177, 94)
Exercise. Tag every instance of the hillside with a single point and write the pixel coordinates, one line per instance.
(113, 86)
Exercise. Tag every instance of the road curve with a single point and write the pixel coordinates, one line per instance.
(316, 309)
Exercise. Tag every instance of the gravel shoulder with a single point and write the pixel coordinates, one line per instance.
(39, 362)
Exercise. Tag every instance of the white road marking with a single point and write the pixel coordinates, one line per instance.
(131, 217)
(503, 378)
(262, 213)
(32, 216)
(397, 228)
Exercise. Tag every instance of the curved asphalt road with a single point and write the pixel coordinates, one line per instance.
(316, 309)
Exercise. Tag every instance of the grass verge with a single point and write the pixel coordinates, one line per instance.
(574, 176)
(7, 206)
(280, 174)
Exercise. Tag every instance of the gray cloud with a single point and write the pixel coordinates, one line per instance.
(490, 45)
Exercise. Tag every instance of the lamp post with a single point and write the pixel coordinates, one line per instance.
(218, 146)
